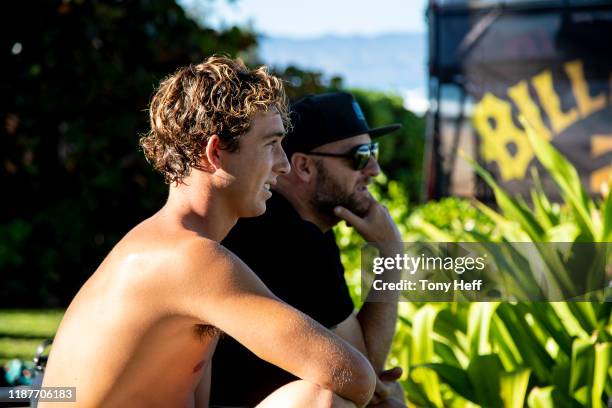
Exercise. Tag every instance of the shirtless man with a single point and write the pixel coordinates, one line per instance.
(142, 330)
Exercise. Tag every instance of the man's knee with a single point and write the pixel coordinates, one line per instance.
(305, 394)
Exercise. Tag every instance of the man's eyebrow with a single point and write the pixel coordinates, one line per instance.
(274, 134)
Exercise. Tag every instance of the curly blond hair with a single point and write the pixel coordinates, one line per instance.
(220, 97)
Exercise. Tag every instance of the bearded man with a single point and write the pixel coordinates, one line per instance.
(293, 250)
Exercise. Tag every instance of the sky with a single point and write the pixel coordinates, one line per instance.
(305, 20)
(315, 18)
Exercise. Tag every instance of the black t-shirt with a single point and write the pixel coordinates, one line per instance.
(299, 264)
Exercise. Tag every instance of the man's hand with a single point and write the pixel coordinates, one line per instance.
(388, 392)
(375, 226)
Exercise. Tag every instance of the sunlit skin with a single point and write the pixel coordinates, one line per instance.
(142, 330)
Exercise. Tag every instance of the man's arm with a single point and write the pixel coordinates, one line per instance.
(222, 291)
(202, 392)
(376, 320)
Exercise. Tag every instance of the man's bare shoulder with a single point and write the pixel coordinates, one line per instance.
(152, 251)
(179, 254)
(211, 264)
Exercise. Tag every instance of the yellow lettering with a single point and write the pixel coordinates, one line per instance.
(600, 144)
(519, 93)
(599, 179)
(586, 104)
(492, 119)
(559, 120)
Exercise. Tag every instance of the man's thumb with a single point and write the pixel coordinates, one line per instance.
(392, 374)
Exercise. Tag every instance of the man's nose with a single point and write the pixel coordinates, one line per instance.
(372, 169)
(282, 165)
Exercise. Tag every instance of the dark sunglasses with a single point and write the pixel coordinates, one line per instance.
(360, 155)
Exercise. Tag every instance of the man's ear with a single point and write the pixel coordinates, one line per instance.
(213, 152)
(303, 166)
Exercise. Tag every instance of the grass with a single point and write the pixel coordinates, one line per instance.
(21, 331)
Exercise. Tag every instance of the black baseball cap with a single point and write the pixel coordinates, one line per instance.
(326, 118)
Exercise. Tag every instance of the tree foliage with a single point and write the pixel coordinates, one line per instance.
(78, 76)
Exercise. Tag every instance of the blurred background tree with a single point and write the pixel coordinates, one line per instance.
(77, 79)
(78, 76)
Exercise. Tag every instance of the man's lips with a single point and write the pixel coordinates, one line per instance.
(269, 184)
(363, 186)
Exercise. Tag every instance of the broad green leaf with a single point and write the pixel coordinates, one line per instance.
(541, 398)
(422, 351)
(485, 373)
(582, 370)
(603, 361)
(479, 324)
(415, 393)
(606, 210)
(585, 315)
(456, 378)
(569, 320)
(505, 346)
(514, 388)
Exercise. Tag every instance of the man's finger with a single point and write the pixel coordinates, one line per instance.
(347, 215)
(392, 374)
(382, 391)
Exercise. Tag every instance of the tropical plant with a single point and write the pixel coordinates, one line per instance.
(511, 354)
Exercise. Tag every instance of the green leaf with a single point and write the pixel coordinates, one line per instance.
(456, 378)
(485, 373)
(603, 361)
(422, 351)
(566, 177)
(569, 320)
(479, 324)
(415, 393)
(511, 208)
(606, 210)
(532, 352)
(505, 345)
(541, 397)
(582, 370)
(514, 388)
(541, 205)
(547, 317)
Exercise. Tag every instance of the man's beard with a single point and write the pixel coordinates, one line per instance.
(329, 194)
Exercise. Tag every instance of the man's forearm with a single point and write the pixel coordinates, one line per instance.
(378, 320)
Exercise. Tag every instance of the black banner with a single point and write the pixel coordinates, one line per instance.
(551, 65)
